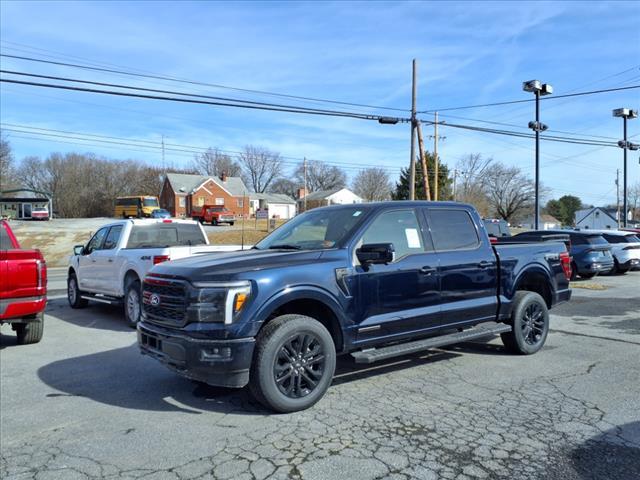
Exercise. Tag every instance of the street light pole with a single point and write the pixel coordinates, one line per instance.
(538, 88)
(537, 180)
(625, 113)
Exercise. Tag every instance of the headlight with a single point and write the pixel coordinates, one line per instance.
(218, 302)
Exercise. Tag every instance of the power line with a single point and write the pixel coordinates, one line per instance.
(193, 82)
(528, 100)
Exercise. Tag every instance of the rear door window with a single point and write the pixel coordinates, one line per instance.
(163, 235)
(452, 230)
(112, 238)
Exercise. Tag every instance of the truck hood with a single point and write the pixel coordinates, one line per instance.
(227, 266)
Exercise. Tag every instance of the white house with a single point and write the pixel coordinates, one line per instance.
(276, 204)
(337, 196)
(598, 218)
(547, 222)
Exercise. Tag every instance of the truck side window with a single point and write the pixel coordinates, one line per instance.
(399, 227)
(452, 230)
(96, 242)
(112, 238)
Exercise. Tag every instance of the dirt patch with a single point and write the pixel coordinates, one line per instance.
(588, 286)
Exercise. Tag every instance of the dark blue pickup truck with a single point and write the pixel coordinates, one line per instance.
(374, 280)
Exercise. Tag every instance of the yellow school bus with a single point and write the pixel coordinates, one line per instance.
(137, 206)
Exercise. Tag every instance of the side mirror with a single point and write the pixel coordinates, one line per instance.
(78, 250)
(375, 253)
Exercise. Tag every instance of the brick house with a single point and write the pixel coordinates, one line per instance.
(181, 192)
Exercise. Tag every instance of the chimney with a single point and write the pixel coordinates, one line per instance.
(223, 177)
(302, 193)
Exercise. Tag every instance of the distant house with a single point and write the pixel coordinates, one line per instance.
(597, 218)
(276, 204)
(547, 222)
(181, 193)
(19, 203)
(337, 196)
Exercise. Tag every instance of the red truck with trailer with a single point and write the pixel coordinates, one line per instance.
(213, 214)
(23, 287)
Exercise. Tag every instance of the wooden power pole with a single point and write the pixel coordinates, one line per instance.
(435, 157)
(412, 158)
(423, 160)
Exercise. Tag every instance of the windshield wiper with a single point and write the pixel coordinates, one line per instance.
(285, 246)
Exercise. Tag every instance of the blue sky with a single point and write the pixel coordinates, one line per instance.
(468, 53)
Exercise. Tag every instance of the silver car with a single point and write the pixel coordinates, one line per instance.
(625, 247)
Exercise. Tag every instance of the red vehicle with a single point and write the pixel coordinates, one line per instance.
(213, 214)
(23, 287)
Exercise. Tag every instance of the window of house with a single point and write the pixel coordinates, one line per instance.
(182, 201)
(200, 201)
(240, 203)
(219, 201)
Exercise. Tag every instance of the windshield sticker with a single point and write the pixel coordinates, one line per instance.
(413, 239)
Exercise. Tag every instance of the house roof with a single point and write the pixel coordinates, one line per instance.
(273, 198)
(321, 194)
(186, 183)
(582, 214)
(544, 218)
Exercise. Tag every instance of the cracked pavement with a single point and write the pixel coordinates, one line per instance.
(85, 404)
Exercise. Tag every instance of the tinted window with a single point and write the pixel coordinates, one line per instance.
(399, 227)
(579, 240)
(96, 242)
(596, 240)
(112, 238)
(452, 229)
(614, 238)
(165, 235)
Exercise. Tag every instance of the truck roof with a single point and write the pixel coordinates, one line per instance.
(399, 203)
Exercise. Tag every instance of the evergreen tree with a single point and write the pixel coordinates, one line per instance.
(401, 191)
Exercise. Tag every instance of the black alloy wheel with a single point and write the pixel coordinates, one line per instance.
(533, 324)
(299, 365)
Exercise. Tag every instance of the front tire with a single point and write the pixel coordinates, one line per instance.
(293, 363)
(30, 332)
(530, 324)
(133, 303)
(74, 294)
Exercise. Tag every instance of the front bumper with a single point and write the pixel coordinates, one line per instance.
(631, 264)
(222, 363)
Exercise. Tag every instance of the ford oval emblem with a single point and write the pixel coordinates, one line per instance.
(154, 299)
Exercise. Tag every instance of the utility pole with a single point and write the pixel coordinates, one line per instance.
(618, 195)
(435, 157)
(455, 178)
(304, 169)
(423, 160)
(412, 158)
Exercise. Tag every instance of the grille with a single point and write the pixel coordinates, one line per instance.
(171, 310)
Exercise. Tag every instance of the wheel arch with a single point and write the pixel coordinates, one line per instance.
(536, 280)
(311, 303)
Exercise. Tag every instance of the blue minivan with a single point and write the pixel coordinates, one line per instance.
(590, 252)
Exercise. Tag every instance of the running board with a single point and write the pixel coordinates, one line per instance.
(107, 300)
(377, 354)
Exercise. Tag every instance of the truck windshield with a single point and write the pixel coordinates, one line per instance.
(162, 235)
(315, 229)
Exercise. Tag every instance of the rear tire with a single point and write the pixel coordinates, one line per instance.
(30, 332)
(231, 223)
(74, 293)
(530, 324)
(133, 303)
(293, 363)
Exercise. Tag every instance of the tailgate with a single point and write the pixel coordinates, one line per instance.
(21, 273)
(176, 253)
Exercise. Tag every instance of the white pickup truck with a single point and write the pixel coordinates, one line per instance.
(111, 267)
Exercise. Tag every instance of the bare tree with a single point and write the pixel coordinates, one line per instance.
(321, 176)
(260, 167)
(510, 192)
(213, 162)
(472, 187)
(372, 184)
(633, 200)
(285, 186)
(6, 163)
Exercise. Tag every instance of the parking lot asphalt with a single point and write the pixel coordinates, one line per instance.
(84, 403)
